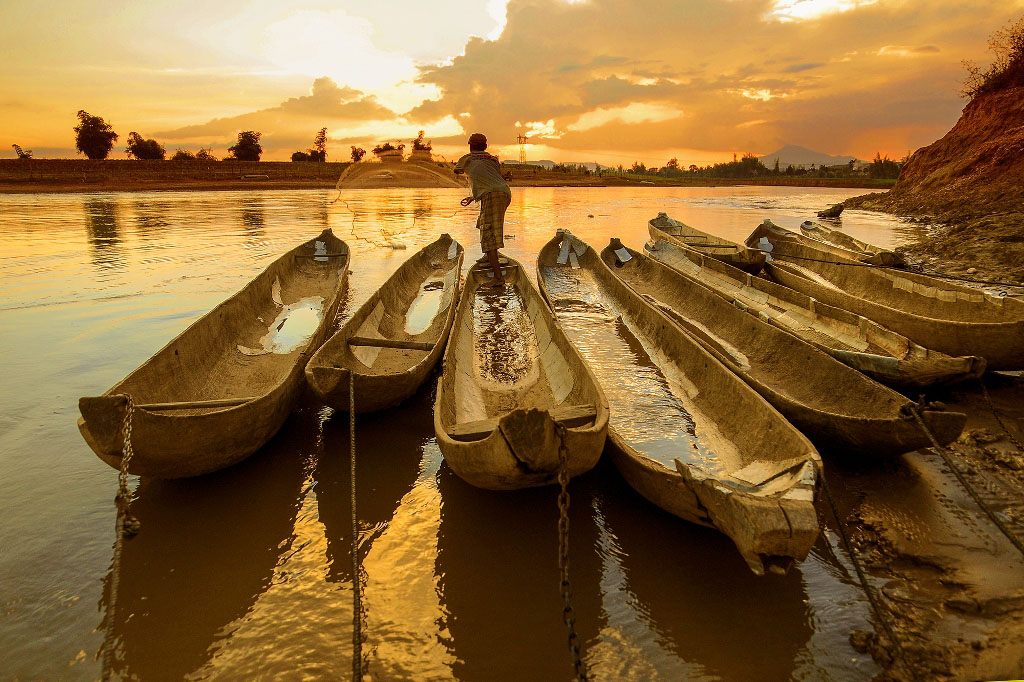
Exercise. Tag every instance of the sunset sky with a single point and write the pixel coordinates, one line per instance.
(611, 81)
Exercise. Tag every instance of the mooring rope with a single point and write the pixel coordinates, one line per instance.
(568, 614)
(944, 454)
(357, 605)
(861, 576)
(995, 413)
(127, 526)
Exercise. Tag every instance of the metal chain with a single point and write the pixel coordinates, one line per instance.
(568, 615)
(984, 390)
(357, 605)
(963, 481)
(127, 527)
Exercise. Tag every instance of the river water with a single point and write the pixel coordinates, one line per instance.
(245, 574)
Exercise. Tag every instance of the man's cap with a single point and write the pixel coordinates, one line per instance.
(478, 138)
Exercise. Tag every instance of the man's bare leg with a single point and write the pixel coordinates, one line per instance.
(499, 280)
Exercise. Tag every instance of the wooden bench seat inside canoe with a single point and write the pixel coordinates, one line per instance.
(566, 415)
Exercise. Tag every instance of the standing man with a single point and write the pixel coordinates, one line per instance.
(491, 190)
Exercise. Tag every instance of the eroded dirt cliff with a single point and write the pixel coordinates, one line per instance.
(969, 186)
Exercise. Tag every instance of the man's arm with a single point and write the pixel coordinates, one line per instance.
(460, 166)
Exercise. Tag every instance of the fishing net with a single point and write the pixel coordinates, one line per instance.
(385, 225)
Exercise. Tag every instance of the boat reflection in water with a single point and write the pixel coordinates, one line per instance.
(690, 587)
(207, 550)
(383, 478)
(498, 576)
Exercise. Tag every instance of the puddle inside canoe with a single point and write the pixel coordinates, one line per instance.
(294, 325)
(505, 343)
(646, 405)
(424, 308)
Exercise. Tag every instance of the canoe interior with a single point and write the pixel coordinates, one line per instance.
(854, 339)
(669, 400)
(748, 259)
(504, 354)
(841, 240)
(919, 294)
(775, 361)
(250, 343)
(414, 304)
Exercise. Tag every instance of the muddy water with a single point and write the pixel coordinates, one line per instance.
(245, 574)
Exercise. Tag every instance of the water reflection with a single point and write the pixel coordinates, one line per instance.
(692, 588)
(104, 233)
(207, 550)
(385, 473)
(252, 215)
(497, 568)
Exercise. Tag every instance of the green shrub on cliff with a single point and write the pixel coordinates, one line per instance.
(1006, 70)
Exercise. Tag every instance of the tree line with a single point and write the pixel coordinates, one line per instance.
(750, 166)
(95, 138)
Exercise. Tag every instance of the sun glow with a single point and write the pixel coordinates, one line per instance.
(798, 10)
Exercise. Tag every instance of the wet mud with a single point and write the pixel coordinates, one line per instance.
(950, 583)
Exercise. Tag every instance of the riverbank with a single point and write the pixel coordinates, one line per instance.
(120, 175)
(966, 187)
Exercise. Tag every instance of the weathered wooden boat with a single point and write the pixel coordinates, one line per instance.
(869, 253)
(946, 317)
(840, 409)
(852, 339)
(510, 378)
(218, 391)
(688, 434)
(746, 259)
(395, 339)
(814, 238)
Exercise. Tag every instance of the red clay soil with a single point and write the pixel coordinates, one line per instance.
(969, 186)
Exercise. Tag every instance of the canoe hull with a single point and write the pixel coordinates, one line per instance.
(771, 521)
(946, 317)
(522, 450)
(837, 407)
(738, 256)
(853, 339)
(328, 370)
(192, 442)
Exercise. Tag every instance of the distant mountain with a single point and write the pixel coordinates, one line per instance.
(792, 154)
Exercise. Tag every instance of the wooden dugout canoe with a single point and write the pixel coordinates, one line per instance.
(509, 374)
(868, 253)
(947, 317)
(852, 339)
(218, 391)
(746, 259)
(736, 465)
(837, 407)
(815, 239)
(396, 338)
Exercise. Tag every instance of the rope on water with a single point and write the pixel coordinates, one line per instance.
(873, 599)
(944, 454)
(357, 605)
(127, 526)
